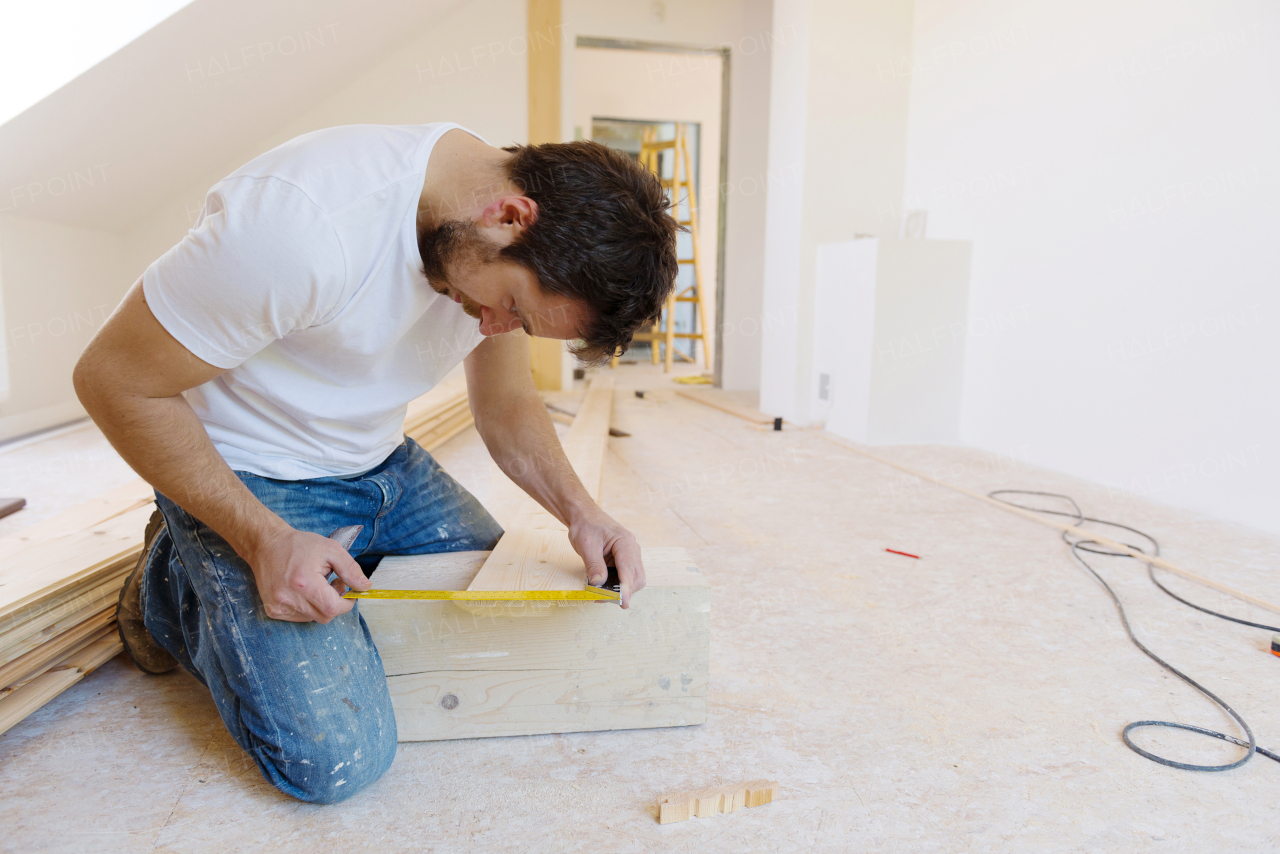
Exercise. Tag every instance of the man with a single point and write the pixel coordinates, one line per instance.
(257, 377)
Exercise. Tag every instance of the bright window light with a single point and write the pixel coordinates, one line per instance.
(45, 45)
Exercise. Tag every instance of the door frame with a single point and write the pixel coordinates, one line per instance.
(722, 203)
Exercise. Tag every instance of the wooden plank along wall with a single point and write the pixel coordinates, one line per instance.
(535, 553)
(545, 35)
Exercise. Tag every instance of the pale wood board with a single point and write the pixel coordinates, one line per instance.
(50, 568)
(535, 553)
(428, 420)
(532, 559)
(442, 433)
(87, 611)
(588, 436)
(44, 656)
(442, 394)
(53, 654)
(49, 617)
(526, 704)
(17, 704)
(122, 499)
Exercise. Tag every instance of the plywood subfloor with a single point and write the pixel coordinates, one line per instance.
(971, 700)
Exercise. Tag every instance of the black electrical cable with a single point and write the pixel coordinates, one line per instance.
(1093, 547)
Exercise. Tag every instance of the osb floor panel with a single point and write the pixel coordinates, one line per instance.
(971, 700)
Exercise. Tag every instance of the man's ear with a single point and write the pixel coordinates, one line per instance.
(520, 211)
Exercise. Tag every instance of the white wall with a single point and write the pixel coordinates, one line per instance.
(118, 207)
(838, 142)
(470, 68)
(59, 286)
(1115, 166)
(745, 27)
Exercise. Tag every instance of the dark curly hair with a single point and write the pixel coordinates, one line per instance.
(603, 237)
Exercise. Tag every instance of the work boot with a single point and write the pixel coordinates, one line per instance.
(142, 648)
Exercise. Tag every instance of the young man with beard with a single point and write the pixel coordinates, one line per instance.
(258, 373)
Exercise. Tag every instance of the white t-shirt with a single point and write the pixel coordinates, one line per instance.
(302, 278)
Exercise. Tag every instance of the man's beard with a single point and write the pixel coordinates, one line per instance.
(454, 243)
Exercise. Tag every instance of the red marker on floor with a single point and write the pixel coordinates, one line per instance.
(904, 554)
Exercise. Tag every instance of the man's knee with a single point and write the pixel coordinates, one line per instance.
(331, 770)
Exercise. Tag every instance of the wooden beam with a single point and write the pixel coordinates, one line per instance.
(455, 672)
(535, 554)
(545, 34)
(717, 400)
(588, 437)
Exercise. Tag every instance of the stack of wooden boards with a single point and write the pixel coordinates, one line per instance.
(58, 590)
(462, 670)
(440, 414)
(60, 579)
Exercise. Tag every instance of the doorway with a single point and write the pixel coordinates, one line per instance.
(624, 88)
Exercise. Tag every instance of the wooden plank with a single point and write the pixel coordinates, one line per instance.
(588, 437)
(444, 432)
(545, 35)
(21, 640)
(41, 658)
(132, 495)
(49, 568)
(532, 559)
(423, 422)
(535, 553)
(546, 355)
(704, 803)
(442, 394)
(440, 414)
(18, 704)
(45, 619)
(717, 400)
(25, 700)
(461, 672)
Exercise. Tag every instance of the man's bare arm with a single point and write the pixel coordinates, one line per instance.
(517, 430)
(130, 379)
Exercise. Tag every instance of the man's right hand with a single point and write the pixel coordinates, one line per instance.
(291, 568)
(130, 379)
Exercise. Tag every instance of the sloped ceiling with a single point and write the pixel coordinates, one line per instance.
(214, 78)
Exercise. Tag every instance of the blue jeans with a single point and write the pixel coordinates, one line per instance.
(308, 702)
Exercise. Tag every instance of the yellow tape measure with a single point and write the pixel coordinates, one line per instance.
(593, 594)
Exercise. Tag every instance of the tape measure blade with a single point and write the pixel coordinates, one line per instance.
(488, 595)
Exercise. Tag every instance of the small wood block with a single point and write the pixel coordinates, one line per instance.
(705, 803)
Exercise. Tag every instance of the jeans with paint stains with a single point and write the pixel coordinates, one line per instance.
(308, 702)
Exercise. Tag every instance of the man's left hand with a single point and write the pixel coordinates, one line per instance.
(597, 538)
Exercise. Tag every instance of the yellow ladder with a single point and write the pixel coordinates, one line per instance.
(684, 207)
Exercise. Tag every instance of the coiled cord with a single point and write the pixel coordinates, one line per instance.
(1078, 548)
